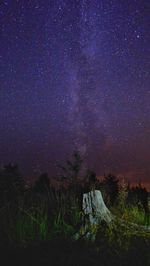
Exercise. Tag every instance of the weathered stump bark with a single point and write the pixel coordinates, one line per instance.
(94, 208)
(94, 212)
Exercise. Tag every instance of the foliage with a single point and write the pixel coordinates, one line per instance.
(138, 196)
(11, 184)
(72, 169)
(114, 234)
(111, 187)
(43, 213)
(42, 183)
(122, 195)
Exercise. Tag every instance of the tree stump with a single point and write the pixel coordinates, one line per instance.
(94, 208)
(94, 212)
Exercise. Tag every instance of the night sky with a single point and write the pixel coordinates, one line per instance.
(75, 74)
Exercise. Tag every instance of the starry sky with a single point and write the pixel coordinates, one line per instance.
(75, 75)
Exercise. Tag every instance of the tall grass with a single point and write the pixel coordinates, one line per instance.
(22, 225)
(132, 213)
(35, 217)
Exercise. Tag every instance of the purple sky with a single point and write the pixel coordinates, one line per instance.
(75, 74)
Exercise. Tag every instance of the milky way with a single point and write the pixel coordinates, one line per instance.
(75, 75)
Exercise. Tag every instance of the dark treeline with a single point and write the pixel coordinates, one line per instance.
(42, 219)
(13, 185)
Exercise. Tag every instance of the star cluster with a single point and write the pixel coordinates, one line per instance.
(74, 74)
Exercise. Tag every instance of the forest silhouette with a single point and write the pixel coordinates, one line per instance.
(45, 214)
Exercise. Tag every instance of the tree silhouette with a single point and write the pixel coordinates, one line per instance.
(42, 184)
(11, 183)
(111, 186)
(72, 170)
(138, 195)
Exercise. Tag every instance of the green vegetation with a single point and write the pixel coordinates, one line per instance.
(43, 214)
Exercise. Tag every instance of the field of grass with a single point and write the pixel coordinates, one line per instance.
(42, 228)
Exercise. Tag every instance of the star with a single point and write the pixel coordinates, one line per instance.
(75, 74)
